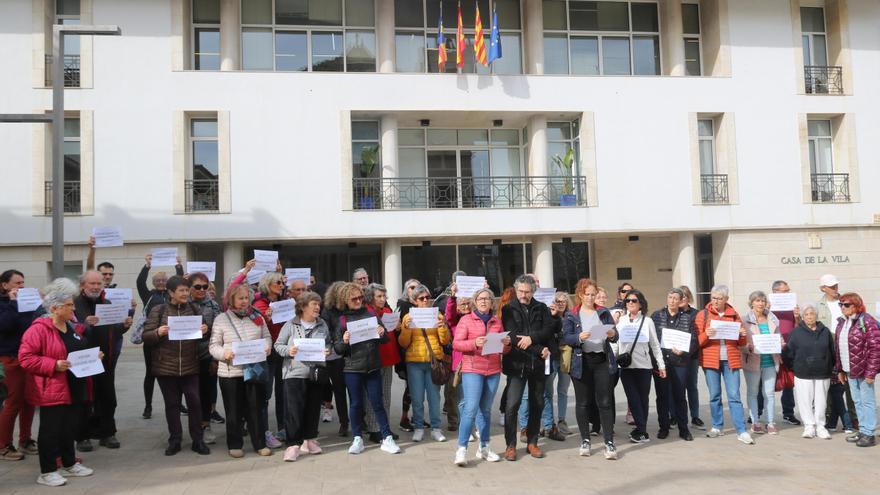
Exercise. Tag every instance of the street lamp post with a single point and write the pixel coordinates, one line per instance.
(56, 117)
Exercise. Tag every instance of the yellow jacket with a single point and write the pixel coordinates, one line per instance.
(412, 340)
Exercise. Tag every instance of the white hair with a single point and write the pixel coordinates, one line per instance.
(58, 291)
(721, 290)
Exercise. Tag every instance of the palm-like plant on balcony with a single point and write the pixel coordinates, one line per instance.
(566, 166)
(369, 159)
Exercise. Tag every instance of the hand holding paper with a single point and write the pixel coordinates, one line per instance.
(493, 343)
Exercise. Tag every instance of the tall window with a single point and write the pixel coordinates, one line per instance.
(67, 12)
(308, 35)
(416, 35)
(608, 38)
(202, 186)
(821, 161)
(693, 61)
(813, 36)
(706, 131)
(206, 34)
(561, 137)
(365, 148)
(72, 166)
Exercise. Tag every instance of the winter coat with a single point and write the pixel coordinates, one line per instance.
(469, 327)
(225, 332)
(571, 331)
(710, 349)
(811, 353)
(41, 348)
(102, 335)
(751, 360)
(171, 357)
(294, 329)
(261, 304)
(452, 319)
(13, 325)
(389, 352)
(413, 341)
(864, 346)
(683, 322)
(362, 357)
(526, 320)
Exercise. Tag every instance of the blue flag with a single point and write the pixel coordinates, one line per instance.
(494, 38)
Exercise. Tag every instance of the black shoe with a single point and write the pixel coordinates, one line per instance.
(216, 418)
(343, 430)
(663, 434)
(148, 412)
(791, 420)
(698, 423)
(406, 424)
(684, 435)
(866, 441)
(110, 442)
(749, 420)
(395, 436)
(183, 410)
(85, 446)
(374, 437)
(172, 449)
(199, 448)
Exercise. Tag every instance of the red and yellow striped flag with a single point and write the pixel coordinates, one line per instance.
(459, 41)
(479, 45)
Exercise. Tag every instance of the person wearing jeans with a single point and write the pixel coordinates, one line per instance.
(760, 369)
(858, 359)
(693, 369)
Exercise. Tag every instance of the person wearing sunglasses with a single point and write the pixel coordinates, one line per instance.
(760, 369)
(403, 306)
(207, 366)
(416, 342)
(858, 359)
(376, 300)
(721, 360)
(453, 309)
(272, 289)
(620, 303)
(335, 390)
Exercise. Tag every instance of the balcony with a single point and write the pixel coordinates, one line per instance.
(420, 193)
(823, 80)
(202, 195)
(72, 197)
(71, 71)
(830, 188)
(713, 189)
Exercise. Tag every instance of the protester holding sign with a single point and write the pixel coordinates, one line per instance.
(376, 300)
(272, 290)
(59, 394)
(207, 366)
(810, 350)
(176, 365)
(789, 315)
(760, 368)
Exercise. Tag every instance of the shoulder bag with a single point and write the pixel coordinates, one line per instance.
(624, 360)
(317, 374)
(439, 370)
(254, 372)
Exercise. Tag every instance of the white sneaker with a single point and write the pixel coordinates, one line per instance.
(585, 450)
(418, 434)
(208, 436)
(809, 432)
(745, 438)
(389, 445)
(437, 435)
(76, 471)
(51, 479)
(487, 455)
(326, 415)
(714, 433)
(471, 438)
(460, 457)
(357, 446)
(823, 433)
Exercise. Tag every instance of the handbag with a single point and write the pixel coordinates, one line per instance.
(439, 370)
(254, 372)
(784, 378)
(624, 360)
(317, 374)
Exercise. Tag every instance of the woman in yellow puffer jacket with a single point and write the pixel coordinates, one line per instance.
(418, 365)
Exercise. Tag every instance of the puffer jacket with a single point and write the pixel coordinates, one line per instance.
(452, 319)
(751, 360)
(171, 357)
(531, 320)
(683, 322)
(413, 341)
(251, 327)
(362, 357)
(571, 331)
(469, 327)
(294, 329)
(41, 347)
(864, 346)
(710, 349)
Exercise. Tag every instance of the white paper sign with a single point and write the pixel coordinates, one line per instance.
(466, 286)
(164, 257)
(423, 317)
(309, 350)
(85, 362)
(209, 268)
(390, 321)
(248, 352)
(304, 274)
(727, 330)
(28, 300)
(675, 339)
(599, 333)
(547, 366)
(118, 296)
(266, 260)
(361, 330)
(783, 301)
(770, 343)
(546, 295)
(113, 313)
(254, 276)
(107, 236)
(628, 333)
(184, 327)
(283, 311)
(493, 343)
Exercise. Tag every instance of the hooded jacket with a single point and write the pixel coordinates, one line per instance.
(362, 357)
(864, 346)
(171, 357)
(710, 349)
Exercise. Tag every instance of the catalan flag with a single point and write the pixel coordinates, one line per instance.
(441, 43)
(459, 41)
(479, 45)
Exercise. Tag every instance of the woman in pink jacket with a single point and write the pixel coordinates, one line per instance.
(479, 374)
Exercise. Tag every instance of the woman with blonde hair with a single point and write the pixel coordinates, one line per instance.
(336, 388)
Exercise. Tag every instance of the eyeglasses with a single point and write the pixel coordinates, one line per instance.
(483, 299)
(623, 291)
(423, 298)
(200, 287)
(845, 304)
(634, 301)
(357, 298)
(561, 301)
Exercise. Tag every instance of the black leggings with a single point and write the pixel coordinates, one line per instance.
(593, 391)
(149, 379)
(336, 388)
(58, 426)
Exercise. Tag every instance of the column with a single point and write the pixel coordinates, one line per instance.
(392, 270)
(388, 130)
(385, 35)
(230, 32)
(538, 146)
(684, 264)
(233, 261)
(542, 254)
(671, 38)
(534, 36)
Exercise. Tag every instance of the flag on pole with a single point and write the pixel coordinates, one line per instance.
(494, 38)
(479, 45)
(441, 43)
(459, 41)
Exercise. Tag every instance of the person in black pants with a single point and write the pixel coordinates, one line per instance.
(335, 364)
(207, 365)
(671, 391)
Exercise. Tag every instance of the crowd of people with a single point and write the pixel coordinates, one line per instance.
(830, 356)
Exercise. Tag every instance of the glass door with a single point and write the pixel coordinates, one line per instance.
(476, 186)
(443, 179)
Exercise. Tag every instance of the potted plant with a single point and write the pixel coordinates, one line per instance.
(369, 158)
(565, 164)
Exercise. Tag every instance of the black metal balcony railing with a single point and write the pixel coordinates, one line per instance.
(830, 188)
(823, 80)
(713, 189)
(72, 197)
(71, 71)
(468, 192)
(202, 195)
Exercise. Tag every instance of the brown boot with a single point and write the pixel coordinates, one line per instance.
(510, 453)
(535, 451)
(524, 435)
(554, 434)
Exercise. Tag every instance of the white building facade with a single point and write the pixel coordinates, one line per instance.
(714, 141)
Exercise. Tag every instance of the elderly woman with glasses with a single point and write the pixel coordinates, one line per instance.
(207, 366)
(760, 369)
(810, 352)
(272, 289)
(376, 300)
(403, 306)
(858, 359)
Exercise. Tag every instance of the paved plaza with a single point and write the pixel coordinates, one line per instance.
(782, 464)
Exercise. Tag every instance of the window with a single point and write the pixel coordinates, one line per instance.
(607, 38)
(365, 148)
(813, 36)
(499, 263)
(571, 262)
(206, 34)
(67, 12)
(820, 142)
(706, 133)
(693, 61)
(416, 23)
(72, 165)
(308, 35)
(561, 137)
(202, 186)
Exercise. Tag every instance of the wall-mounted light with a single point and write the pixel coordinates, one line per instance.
(426, 243)
(425, 122)
(497, 122)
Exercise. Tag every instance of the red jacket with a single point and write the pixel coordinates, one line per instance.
(864, 346)
(710, 357)
(262, 305)
(389, 353)
(470, 326)
(41, 347)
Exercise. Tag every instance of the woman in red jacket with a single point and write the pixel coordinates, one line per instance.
(60, 395)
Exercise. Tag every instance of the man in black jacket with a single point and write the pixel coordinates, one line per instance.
(531, 327)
